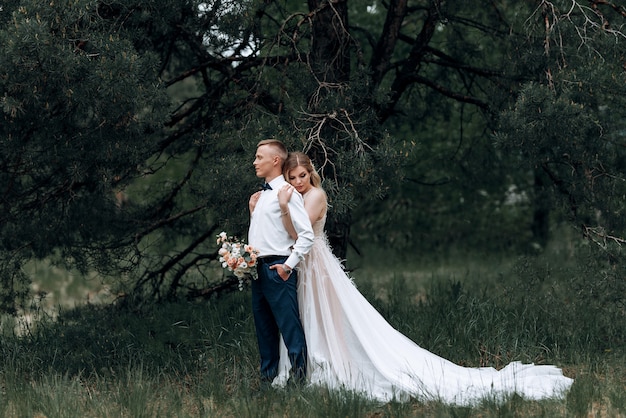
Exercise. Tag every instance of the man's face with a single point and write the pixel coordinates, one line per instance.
(265, 160)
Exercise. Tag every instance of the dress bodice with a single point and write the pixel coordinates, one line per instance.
(318, 227)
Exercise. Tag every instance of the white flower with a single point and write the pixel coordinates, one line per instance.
(222, 237)
(232, 251)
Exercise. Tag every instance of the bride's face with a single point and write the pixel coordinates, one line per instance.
(300, 178)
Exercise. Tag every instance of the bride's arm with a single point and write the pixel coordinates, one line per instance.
(284, 195)
(253, 201)
(315, 204)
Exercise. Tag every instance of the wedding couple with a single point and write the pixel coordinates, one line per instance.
(313, 325)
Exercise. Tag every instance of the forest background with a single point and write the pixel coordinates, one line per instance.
(445, 132)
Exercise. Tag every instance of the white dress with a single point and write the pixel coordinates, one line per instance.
(352, 347)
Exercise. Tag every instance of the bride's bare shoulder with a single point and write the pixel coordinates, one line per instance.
(317, 194)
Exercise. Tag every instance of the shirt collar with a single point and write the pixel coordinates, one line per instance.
(276, 181)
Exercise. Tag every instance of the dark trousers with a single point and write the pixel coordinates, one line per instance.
(275, 309)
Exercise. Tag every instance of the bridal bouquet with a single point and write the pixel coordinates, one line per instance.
(238, 257)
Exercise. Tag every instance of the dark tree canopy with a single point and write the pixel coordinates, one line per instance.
(128, 128)
(80, 107)
(567, 125)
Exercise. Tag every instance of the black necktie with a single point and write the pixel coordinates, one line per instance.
(266, 186)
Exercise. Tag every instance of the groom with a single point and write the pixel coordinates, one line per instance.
(274, 298)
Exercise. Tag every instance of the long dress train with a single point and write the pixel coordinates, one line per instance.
(351, 346)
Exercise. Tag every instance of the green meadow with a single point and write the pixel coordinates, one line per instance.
(89, 354)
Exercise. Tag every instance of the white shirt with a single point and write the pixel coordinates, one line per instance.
(268, 234)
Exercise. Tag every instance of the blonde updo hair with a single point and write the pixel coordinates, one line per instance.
(300, 159)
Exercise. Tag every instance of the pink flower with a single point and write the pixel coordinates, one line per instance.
(237, 256)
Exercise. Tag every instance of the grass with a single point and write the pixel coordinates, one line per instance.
(199, 359)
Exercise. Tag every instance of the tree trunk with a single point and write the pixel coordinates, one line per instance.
(540, 226)
(330, 63)
(330, 53)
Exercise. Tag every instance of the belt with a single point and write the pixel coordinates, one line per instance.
(271, 258)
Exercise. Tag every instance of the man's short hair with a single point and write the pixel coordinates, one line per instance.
(278, 146)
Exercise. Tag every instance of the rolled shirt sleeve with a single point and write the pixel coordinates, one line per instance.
(302, 224)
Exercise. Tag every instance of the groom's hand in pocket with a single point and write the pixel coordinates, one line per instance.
(283, 271)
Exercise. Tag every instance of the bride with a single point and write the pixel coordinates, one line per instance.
(352, 347)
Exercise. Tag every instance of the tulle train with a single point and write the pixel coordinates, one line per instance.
(352, 347)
